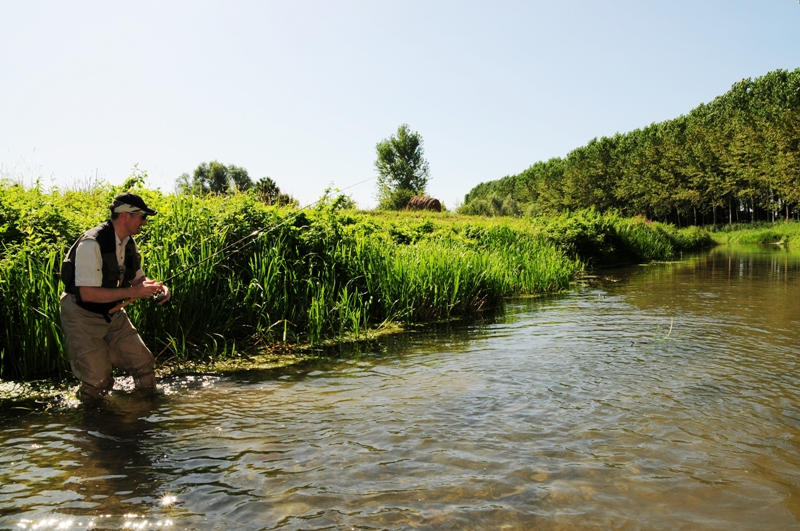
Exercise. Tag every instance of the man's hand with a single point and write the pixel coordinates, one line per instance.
(162, 292)
(146, 288)
(164, 296)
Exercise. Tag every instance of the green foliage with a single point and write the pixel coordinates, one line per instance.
(136, 180)
(30, 339)
(36, 217)
(218, 179)
(734, 159)
(586, 233)
(402, 169)
(333, 201)
(267, 191)
(607, 238)
(493, 205)
(759, 233)
(214, 178)
(394, 199)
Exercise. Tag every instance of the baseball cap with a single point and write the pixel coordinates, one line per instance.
(129, 202)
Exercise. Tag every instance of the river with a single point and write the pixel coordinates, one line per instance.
(664, 396)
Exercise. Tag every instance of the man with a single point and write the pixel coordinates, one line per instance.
(103, 268)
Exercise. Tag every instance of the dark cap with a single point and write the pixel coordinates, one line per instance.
(130, 203)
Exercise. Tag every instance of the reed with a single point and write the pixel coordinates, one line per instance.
(31, 341)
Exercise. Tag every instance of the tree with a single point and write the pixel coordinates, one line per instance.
(402, 170)
(268, 192)
(239, 178)
(214, 178)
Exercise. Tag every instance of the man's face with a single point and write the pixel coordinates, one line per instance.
(135, 222)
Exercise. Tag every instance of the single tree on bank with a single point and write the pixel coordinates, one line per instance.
(402, 170)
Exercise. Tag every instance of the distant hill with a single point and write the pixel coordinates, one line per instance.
(734, 159)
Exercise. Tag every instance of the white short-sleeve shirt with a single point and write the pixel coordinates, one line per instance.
(89, 263)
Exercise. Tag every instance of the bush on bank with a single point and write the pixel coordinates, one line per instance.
(297, 276)
(605, 239)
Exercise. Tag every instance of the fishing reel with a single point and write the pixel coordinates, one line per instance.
(157, 298)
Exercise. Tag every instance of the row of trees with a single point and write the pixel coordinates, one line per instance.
(734, 159)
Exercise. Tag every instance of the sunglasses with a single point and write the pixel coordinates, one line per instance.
(141, 215)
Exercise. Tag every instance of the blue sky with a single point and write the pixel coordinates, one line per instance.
(301, 91)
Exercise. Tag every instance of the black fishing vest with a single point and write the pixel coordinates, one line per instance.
(113, 276)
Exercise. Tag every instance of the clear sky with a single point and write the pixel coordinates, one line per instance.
(302, 90)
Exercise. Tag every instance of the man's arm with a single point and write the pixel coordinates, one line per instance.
(141, 290)
(88, 277)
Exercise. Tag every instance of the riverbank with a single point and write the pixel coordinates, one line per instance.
(296, 279)
(782, 233)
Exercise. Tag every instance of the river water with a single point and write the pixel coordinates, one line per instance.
(664, 396)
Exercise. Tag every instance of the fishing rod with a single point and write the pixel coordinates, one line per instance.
(160, 296)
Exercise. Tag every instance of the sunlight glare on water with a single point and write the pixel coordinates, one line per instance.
(661, 397)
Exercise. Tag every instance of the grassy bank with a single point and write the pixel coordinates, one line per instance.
(298, 277)
(786, 233)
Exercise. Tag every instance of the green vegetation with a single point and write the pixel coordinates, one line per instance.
(219, 179)
(216, 178)
(734, 159)
(310, 276)
(758, 233)
(402, 169)
(608, 239)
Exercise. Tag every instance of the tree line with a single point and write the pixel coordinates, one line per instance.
(736, 158)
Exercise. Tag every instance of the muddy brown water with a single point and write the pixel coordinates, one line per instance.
(661, 397)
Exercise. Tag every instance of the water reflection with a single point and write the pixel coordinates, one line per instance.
(751, 290)
(664, 397)
(86, 467)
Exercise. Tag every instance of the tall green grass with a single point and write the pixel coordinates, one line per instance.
(30, 340)
(298, 277)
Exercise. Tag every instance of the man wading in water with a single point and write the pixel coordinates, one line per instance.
(100, 270)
